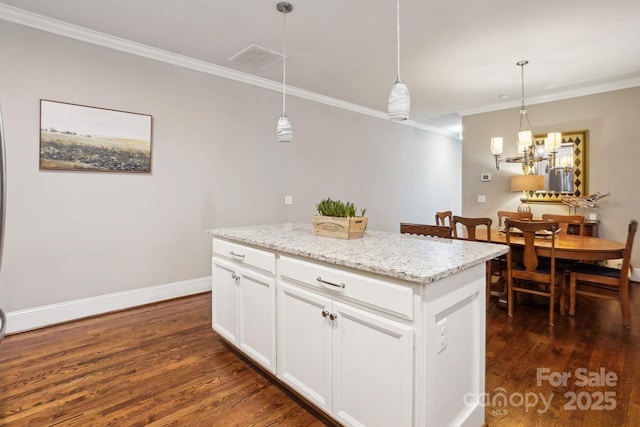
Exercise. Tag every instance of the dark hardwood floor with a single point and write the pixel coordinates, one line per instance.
(159, 365)
(592, 340)
(162, 365)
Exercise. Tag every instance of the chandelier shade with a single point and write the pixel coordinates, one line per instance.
(552, 141)
(496, 145)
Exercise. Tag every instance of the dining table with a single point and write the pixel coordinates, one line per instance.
(567, 246)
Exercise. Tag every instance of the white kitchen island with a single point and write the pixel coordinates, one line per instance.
(387, 330)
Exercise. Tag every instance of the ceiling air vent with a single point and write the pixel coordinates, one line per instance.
(256, 57)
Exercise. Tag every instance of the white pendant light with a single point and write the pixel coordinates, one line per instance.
(399, 100)
(283, 129)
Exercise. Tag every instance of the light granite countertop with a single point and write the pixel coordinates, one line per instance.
(413, 258)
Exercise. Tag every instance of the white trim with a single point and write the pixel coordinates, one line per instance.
(559, 96)
(54, 26)
(635, 274)
(38, 317)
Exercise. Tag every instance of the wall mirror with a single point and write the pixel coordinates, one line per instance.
(568, 176)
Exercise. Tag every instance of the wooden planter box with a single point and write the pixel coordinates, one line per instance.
(340, 228)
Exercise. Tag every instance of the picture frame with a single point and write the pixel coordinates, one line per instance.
(576, 144)
(83, 138)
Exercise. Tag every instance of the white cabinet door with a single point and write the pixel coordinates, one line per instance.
(256, 314)
(225, 306)
(304, 343)
(244, 310)
(372, 369)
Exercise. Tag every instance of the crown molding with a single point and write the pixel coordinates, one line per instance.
(559, 96)
(61, 28)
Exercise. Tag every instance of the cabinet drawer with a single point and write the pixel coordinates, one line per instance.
(390, 297)
(244, 255)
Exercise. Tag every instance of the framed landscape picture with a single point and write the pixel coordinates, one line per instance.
(81, 138)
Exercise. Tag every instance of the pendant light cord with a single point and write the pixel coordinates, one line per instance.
(523, 108)
(398, 36)
(284, 59)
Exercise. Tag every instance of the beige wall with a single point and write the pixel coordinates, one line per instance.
(613, 153)
(215, 163)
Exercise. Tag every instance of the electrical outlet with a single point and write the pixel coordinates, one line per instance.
(481, 198)
(288, 200)
(442, 335)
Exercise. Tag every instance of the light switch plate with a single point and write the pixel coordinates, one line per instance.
(288, 200)
(481, 198)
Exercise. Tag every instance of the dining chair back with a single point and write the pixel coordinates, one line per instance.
(527, 276)
(494, 267)
(442, 216)
(605, 282)
(469, 226)
(425, 230)
(564, 221)
(520, 216)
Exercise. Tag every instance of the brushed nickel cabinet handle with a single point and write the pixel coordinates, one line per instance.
(236, 255)
(333, 316)
(325, 313)
(341, 285)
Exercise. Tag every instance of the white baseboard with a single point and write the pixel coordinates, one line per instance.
(635, 274)
(38, 317)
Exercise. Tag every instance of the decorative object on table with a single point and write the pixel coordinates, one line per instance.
(584, 202)
(339, 220)
(283, 129)
(526, 184)
(399, 99)
(82, 138)
(528, 152)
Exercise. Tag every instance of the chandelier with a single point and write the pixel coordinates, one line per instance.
(528, 152)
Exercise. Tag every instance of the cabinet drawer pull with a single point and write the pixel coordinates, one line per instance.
(237, 255)
(333, 316)
(325, 313)
(341, 285)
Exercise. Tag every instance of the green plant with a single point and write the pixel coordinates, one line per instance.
(328, 207)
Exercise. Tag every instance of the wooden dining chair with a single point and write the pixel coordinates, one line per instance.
(530, 273)
(565, 222)
(494, 267)
(442, 216)
(605, 282)
(520, 216)
(425, 230)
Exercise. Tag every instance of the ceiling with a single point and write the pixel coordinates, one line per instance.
(457, 56)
